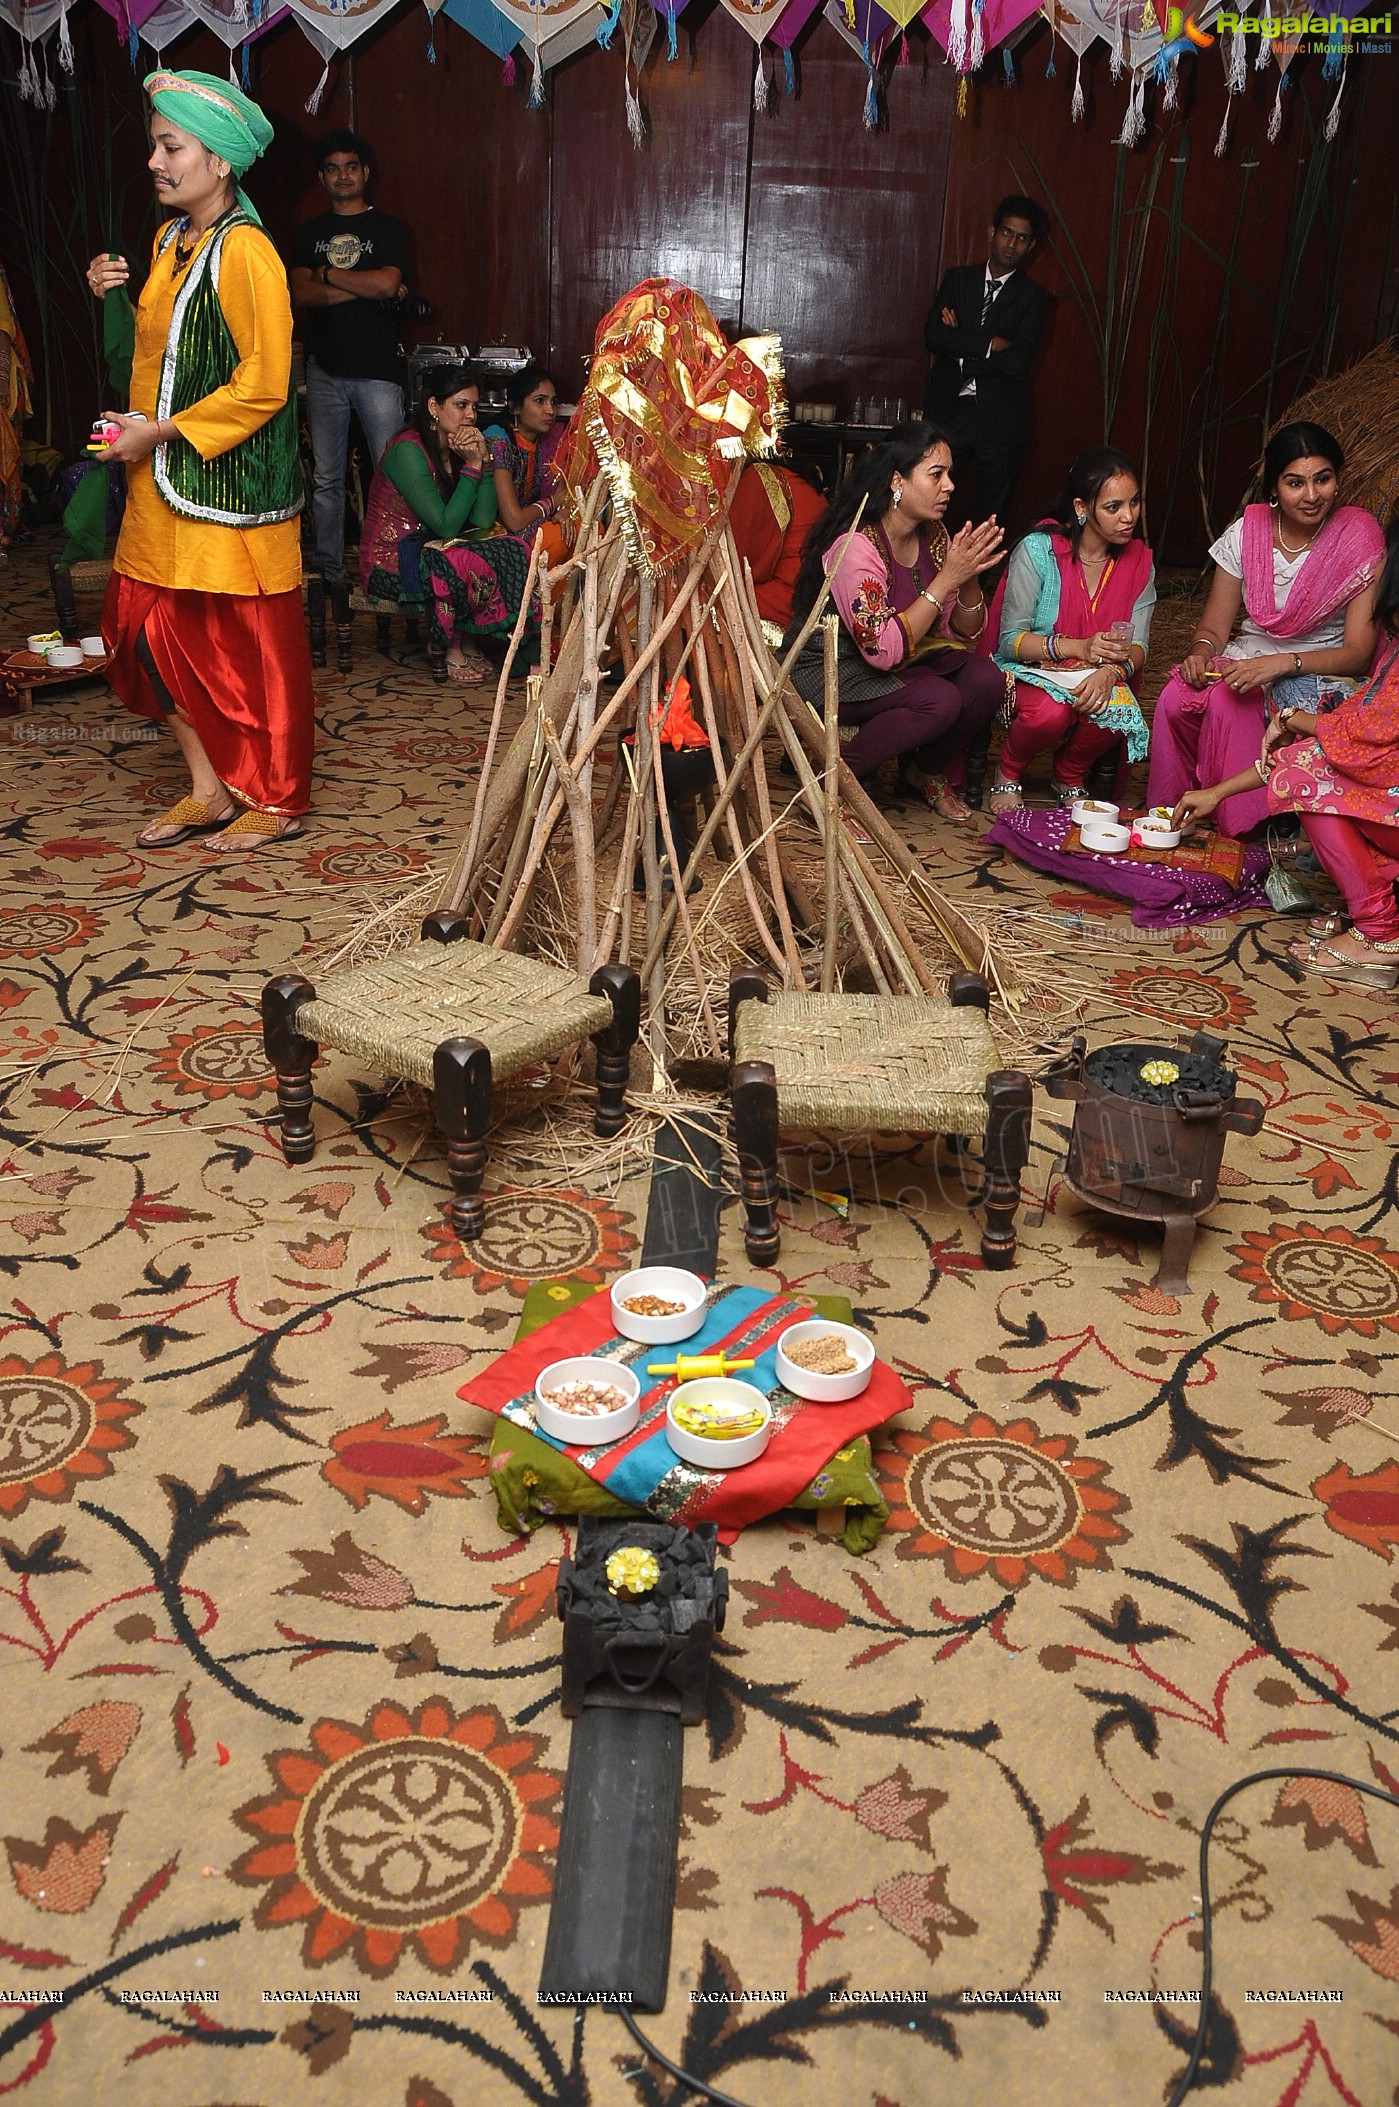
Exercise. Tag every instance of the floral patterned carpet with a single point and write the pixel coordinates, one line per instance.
(281, 1718)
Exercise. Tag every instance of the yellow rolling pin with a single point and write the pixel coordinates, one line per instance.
(689, 1367)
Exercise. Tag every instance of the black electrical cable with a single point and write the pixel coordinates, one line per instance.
(708, 2092)
(1257, 1777)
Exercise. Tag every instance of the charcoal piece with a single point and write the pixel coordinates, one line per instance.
(683, 1614)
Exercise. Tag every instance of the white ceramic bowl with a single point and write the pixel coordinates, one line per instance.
(1087, 811)
(825, 1389)
(93, 647)
(583, 1430)
(1156, 833)
(43, 642)
(1106, 838)
(718, 1455)
(66, 657)
(671, 1284)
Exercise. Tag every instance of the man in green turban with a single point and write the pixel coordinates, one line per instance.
(203, 615)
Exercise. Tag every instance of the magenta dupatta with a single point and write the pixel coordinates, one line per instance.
(1124, 581)
(1341, 562)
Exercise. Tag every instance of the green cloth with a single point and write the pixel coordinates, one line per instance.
(85, 519)
(470, 509)
(534, 1483)
(219, 115)
(118, 343)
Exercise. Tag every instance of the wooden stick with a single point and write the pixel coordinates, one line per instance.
(716, 1044)
(546, 605)
(758, 773)
(740, 855)
(460, 874)
(580, 815)
(621, 890)
(830, 636)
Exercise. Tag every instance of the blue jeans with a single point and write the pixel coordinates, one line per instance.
(329, 400)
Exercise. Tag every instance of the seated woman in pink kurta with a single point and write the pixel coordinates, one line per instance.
(910, 600)
(1299, 568)
(1340, 770)
(1074, 626)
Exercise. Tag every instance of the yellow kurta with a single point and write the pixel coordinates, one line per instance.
(156, 543)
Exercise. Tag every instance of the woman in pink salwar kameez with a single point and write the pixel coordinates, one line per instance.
(1340, 771)
(1299, 569)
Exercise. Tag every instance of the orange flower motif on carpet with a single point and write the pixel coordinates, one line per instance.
(36, 930)
(1344, 1281)
(403, 1463)
(531, 1236)
(421, 1834)
(1363, 1506)
(214, 1061)
(1006, 1500)
(60, 1426)
(362, 860)
(1180, 996)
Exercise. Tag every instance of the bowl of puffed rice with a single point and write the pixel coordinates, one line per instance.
(659, 1305)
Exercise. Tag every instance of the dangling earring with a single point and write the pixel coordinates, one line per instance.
(1274, 503)
(898, 496)
(1081, 517)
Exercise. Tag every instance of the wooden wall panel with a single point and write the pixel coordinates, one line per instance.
(845, 269)
(673, 209)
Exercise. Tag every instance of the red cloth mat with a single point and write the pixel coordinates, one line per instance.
(643, 1469)
(1217, 854)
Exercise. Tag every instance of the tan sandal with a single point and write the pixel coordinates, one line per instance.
(1380, 973)
(939, 797)
(468, 668)
(191, 816)
(254, 830)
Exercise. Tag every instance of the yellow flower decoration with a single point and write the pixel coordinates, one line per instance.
(1161, 1072)
(633, 1569)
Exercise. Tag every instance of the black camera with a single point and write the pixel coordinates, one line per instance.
(408, 307)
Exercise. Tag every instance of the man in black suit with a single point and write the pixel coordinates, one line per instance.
(982, 330)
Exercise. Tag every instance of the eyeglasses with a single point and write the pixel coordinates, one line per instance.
(1008, 235)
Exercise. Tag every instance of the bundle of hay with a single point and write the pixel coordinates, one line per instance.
(1361, 406)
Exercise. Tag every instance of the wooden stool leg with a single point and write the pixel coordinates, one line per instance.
(344, 627)
(978, 754)
(622, 987)
(461, 1097)
(444, 926)
(410, 633)
(383, 635)
(436, 649)
(754, 1090)
(292, 1058)
(1173, 1273)
(315, 616)
(968, 991)
(1009, 1102)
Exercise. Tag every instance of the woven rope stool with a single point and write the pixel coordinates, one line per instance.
(874, 1063)
(454, 1016)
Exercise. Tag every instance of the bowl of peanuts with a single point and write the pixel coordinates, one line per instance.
(659, 1305)
(587, 1401)
(823, 1362)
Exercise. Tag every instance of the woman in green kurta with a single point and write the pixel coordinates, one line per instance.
(430, 528)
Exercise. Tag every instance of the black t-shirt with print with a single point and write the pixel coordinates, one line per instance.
(355, 339)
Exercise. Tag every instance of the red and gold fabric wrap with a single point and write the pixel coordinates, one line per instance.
(670, 414)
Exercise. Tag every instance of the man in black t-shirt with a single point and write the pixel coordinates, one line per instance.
(345, 265)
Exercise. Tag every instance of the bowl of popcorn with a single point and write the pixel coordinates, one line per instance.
(1092, 810)
(823, 1362)
(718, 1422)
(587, 1401)
(659, 1305)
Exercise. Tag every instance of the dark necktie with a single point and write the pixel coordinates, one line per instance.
(993, 286)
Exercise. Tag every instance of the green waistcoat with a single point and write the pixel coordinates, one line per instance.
(257, 482)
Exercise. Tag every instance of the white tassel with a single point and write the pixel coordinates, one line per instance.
(1221, 144)
(65, 43)
(978, 44)
(1076, 107)
(313, 100)
(1236, 72)
(240, 10)
(48, 93)
(1333, 115)
(1117, 62)
(1265, 44)
(957, 38)
(28, 77)
(1275, 121)
(535, 99)
(1134, 116)
(636, 122)
(1172, 94)
(760, 86)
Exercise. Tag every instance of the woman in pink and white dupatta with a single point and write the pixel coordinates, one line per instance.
(1299, 568)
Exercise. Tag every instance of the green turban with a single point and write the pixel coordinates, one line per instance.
(218, 115)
